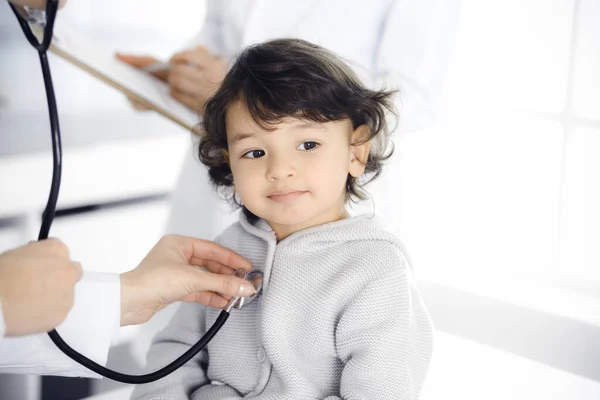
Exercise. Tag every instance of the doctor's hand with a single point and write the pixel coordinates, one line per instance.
(37, 286)
(193, 77)
(171, 273)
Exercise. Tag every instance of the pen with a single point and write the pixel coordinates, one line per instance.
(161, 66)
(157, 67)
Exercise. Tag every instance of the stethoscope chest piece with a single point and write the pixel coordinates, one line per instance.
(254, 277)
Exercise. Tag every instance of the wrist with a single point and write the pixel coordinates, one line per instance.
(131, 308)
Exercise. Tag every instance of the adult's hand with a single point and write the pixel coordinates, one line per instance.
(37, 286)
(170, 273)
(194, 75)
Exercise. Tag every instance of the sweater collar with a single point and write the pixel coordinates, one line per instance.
(359, 227)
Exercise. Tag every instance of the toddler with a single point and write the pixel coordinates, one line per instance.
(291, 137)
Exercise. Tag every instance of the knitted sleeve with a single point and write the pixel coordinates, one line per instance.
(384, 338)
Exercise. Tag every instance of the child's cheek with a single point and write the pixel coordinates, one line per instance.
(328, 171)
(247, 177)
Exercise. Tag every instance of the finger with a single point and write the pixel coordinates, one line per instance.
(136, 61)
(209, 299)
(217, 268)
(199, 56)
(52, 246)
(206, 250)
(226, 285)
(73, 272)
(189, 101)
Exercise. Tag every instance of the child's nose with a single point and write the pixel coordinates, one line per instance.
(279, 168)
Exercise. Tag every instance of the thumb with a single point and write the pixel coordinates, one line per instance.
(136, 61)
(226, 285)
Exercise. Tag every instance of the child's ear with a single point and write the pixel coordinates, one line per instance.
(360, 145)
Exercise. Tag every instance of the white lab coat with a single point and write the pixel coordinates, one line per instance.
(89, 329)
(405, 44)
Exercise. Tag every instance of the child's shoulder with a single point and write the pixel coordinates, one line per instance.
(371, 243)
(374, 231)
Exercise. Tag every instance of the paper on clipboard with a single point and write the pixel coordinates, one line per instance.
(145, 88)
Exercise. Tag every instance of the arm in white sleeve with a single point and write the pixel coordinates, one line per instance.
(413, 55)
(211, 34)
(89, 329)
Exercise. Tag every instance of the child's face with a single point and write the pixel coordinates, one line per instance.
(294, 177)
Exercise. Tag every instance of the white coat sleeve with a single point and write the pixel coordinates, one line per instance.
(88, 328)
(415, 46)
(211, 34)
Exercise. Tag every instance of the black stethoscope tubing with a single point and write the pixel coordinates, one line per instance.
(50, 211)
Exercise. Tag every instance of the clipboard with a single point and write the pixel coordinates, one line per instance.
(150, 91)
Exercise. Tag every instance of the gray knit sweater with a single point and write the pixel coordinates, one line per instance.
(339, 317)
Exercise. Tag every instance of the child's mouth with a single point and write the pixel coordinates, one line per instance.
(285, 197)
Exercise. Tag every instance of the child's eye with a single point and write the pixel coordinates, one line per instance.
(254, 154)
(308, 145)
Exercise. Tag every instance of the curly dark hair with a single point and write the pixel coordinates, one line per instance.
(294, 78)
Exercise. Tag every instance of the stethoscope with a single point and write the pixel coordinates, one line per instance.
(48, 216)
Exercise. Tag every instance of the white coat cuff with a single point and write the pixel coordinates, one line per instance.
(95, 317)
(88, 329)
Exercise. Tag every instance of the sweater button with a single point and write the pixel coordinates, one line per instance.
(261, 355)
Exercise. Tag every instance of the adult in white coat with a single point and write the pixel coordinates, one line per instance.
(404, 44)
